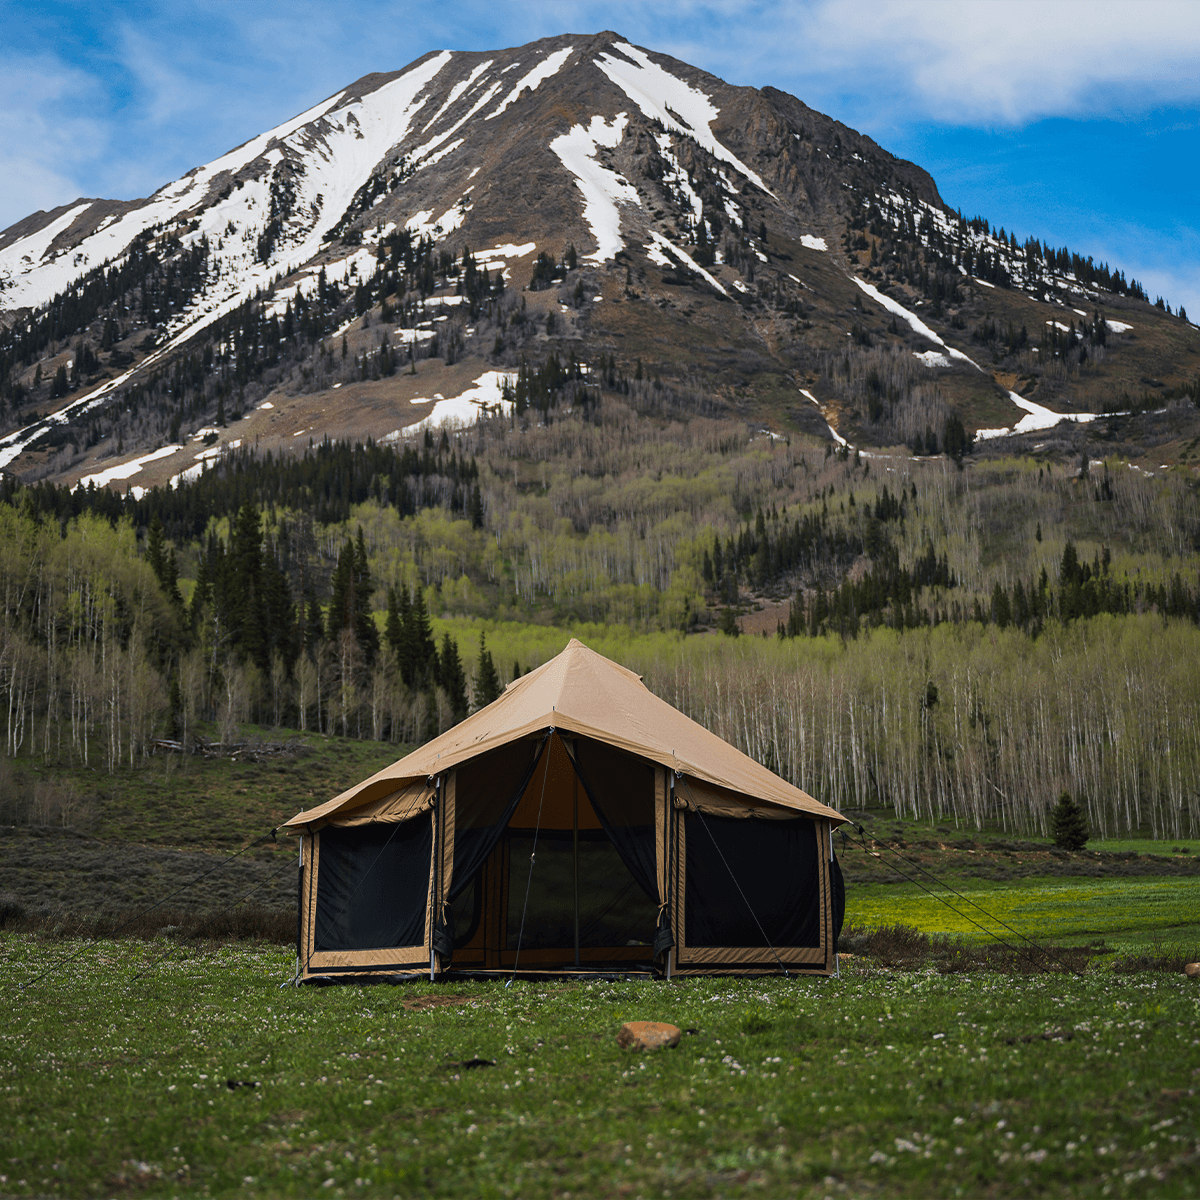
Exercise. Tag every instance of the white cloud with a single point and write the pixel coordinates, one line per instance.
(47, 132)
(1020, 60)
(991, 62)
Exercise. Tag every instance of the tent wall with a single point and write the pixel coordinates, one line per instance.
(759, 894)
(365, 895)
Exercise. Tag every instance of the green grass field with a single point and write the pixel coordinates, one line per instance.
(117, 1070)
(115, 1066)
(1140, 912)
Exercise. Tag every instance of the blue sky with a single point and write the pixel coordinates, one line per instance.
(1078, 123)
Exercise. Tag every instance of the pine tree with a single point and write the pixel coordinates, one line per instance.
(364, 623)
(1069, 824)
(393, 628)
(155, 554)
(453, 679)
(487, 680)
(243, 586)
(350, 602)
(420, 650)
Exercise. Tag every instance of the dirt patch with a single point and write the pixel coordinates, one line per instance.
(765, 620)
(421, 1003)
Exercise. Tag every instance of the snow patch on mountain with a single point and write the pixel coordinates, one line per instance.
(837, 437)
(602, 188)
(125, 470)
(666, 248)
(1038, 417)
(666, 98)
(550, 65)
(487, 396)
(457, 91)
(510, 250)
(677, 177)
(813, 242)
(448, 222)
(424, 154)
(914, 322)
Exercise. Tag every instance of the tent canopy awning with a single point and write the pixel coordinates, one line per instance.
(581, 693)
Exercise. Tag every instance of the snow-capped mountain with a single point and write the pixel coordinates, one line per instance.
(731, 232)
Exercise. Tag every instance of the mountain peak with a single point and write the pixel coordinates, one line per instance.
(654, 213)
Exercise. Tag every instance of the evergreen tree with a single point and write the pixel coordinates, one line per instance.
(350, 602)
(487, 680)
(155, 556)
(1069, 824)
(162, 561)
(393, 628)
(418, 651)
(453, 679)
(242, 586)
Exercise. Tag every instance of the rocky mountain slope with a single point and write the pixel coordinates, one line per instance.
(398, 251)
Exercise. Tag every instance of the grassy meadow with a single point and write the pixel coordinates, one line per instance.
(1142, 913)
(160, 1068)
(925, 1073)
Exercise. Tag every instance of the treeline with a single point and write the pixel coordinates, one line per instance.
(100, 655)
(892, 595)
(966, 724)
(887, 594)
(327, 481)
(908, 242)
(775, 548)
(157, 277)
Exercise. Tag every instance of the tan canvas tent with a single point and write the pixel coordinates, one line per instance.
(577, 823)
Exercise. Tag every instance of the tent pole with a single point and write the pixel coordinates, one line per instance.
(837, 966)
(669, 848)
(575, 856)
(437, 862)
(300, 903)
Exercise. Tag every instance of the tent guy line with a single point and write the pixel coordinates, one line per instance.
(717, 847)
(62, 962)
(966, 900)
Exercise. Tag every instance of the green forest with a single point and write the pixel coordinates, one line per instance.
(960, 641)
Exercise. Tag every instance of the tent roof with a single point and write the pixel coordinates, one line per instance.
(583, 693)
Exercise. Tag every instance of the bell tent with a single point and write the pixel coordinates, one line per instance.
(576, 823)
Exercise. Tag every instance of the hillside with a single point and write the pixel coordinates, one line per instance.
(691, 372)
(416, 237)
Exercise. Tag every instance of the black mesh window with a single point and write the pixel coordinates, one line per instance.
(775, 866)
(621, 789)
(373, 885)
